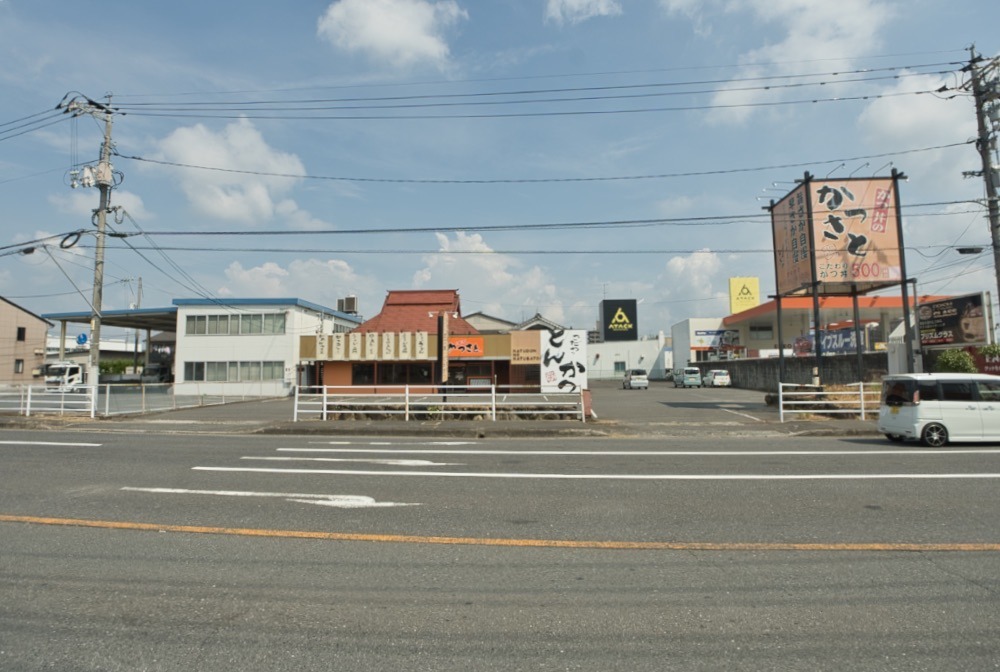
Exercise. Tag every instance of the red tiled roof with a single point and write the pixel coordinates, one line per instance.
(418, 310)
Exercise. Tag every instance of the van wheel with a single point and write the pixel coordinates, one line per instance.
(895, 438)
(934, 435)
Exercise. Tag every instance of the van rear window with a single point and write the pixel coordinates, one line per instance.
(898, 392)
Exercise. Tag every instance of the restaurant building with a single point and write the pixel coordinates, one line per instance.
(420, 338)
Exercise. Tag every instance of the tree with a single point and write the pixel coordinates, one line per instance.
(955, 361)
(991, 350)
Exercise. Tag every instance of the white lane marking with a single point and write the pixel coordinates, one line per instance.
(50, 443)
(395, 443)
(653, 453)
(339, 501)
(392, 463)
(742, 415)
(608, 477)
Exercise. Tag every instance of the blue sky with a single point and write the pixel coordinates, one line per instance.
(359, 146)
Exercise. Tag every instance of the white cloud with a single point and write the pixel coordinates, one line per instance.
(251, 195)
(83, 202)
(676, 206)
(795, 31)
(928, 121)
(496, 284)
(576, 11)
(318, 280)
(692, 275)
(894, 121)
(402, 33)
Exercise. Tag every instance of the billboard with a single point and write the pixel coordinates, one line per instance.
(960, 320)
(744, 294)
(564, 360)
(619, 320)
(842, 233)
(466, 346)
(721, 339)
(525, 347)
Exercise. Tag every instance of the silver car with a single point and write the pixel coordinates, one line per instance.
(635, 379)
(718, 378)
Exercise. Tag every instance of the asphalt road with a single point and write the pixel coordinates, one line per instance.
(177, 551)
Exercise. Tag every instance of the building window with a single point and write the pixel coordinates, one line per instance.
(22, 334)
(274, 370)
(761, 333)
(18, 366)
(274, 323)
(251, 324)
(195, 324)
(218, 324)
(224, 325)
(363, 374)
(250, 371)
(217, 371)
(194, 371)
(392, 374)
(233, 372)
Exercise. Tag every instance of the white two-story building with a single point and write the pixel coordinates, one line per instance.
(246, 346)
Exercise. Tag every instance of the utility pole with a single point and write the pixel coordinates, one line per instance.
(104, 179)
(986, 91)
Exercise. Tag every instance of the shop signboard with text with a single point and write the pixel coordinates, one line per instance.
(841, 234)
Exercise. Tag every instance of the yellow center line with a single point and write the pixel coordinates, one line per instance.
(513, 543)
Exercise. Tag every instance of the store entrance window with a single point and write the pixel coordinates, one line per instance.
(363, 374)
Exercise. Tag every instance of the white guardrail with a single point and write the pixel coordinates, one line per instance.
(854, 399)
(37, 400)
(429, 402)
(110, 399)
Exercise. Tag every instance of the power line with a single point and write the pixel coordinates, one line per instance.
(562, 251)
(569, 75)
(31, 127)
(408, 101)
(510, 115)
(655, 176)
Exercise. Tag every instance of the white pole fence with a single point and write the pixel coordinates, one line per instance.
(434, 402)
(861, 399)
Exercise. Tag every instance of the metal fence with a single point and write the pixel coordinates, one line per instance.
(861, 399)
(114, 399)
(424, 402)
(28, 400)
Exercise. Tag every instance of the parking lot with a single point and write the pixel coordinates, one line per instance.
(663, 403)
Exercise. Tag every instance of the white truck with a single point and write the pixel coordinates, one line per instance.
(64, 377)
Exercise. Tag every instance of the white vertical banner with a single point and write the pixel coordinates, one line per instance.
(354, 345)
(388, 345)
(371, 345)
(421, 345)
(405, 345)
(338, 351)
(564, 360)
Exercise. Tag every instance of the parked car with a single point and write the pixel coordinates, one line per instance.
(635, 379)
(937, 408)
(717, 378)
(689, 377)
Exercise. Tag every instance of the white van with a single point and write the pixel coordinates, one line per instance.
(940, 407)
(689, 377)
